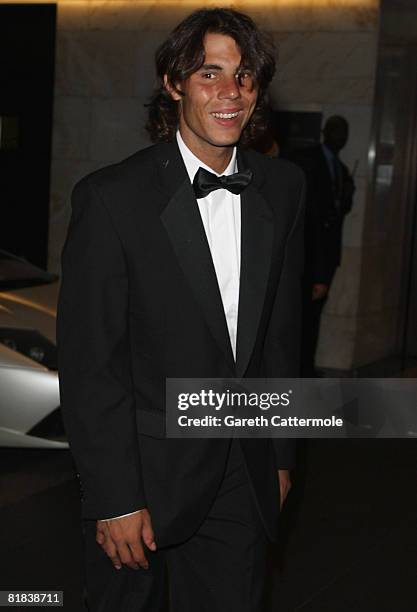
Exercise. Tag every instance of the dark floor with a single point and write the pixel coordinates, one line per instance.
(348, 541)
(351, 529)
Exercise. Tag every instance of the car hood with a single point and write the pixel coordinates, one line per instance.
(31, 308)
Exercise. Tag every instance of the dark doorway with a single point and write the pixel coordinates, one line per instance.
(295, 130)
(27, 51)
(409, 341)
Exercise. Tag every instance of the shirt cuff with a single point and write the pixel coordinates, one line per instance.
(113, 518)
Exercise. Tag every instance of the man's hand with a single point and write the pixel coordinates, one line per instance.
(284, 485)
(319, 291)
(122, 539)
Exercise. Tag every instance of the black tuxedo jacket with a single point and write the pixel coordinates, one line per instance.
(139, 302)
(324, 221)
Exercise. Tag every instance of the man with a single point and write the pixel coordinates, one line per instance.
(169, 271)
(330, 190)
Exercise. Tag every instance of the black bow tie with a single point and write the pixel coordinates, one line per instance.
(205, 182)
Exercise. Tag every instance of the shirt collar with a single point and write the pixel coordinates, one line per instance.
(192, 163)
(328, 152)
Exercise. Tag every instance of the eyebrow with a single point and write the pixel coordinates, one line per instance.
(217, 67)
(211, 67)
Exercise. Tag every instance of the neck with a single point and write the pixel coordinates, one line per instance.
(219, 162)
(216, 158)
(332, 149)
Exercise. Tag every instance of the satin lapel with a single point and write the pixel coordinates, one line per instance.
(183, 224)
(256, 252)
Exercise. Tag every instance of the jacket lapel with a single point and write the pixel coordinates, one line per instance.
(256, 253)
(182, 221)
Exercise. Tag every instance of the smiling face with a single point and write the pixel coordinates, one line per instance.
(218, 101)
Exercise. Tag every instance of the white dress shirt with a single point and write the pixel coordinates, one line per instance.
(220, 214)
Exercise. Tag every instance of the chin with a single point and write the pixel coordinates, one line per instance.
(226, 140)
(230, 142)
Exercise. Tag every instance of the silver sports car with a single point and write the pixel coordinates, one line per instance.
(29, 392)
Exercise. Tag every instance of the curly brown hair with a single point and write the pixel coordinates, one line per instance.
(182, 54)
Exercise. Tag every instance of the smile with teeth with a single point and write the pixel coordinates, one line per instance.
(225, 115)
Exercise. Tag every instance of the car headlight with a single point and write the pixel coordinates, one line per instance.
(32, 344)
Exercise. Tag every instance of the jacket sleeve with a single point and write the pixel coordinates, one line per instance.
(96, 386)
(283, 340)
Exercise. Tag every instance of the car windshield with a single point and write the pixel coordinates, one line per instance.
(16, 273)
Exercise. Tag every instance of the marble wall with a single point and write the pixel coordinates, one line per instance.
(104, 75)
(387, 225)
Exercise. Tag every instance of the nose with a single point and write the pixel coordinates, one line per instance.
(229, 89)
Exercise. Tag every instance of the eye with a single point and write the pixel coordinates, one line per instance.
(208, 75)
(244, 77)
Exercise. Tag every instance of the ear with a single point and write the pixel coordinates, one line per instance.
(171, 90)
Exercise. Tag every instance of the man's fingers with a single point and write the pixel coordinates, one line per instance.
(284, 485)
(138, 554)
(114, 558)
(121, 539)
(283, 494)
(101, 533)
(285, 489)
(126, 556)
(148, 535)
(109, 547)
(319, 291)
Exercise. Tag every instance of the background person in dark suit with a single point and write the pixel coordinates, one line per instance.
(330, 190)
(169, 271)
